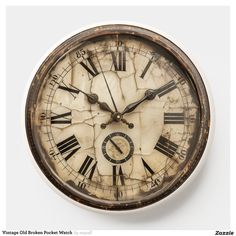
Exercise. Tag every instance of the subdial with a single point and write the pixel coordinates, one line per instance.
(117, 147)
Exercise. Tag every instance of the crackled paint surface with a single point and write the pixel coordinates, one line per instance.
(69, 127)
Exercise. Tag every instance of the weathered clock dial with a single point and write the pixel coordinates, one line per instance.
(117, 117)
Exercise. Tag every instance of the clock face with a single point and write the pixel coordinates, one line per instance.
(117, 117)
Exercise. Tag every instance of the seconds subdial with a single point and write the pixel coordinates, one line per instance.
(117, 147)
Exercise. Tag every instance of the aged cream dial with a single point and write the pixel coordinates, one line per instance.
(117, 117)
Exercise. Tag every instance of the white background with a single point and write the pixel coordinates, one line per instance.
(203, 32)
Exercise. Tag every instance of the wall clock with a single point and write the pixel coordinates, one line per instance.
(117, 117)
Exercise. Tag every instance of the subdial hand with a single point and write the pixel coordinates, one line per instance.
(116, 146)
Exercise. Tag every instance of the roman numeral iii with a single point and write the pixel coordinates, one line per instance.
(88, 167)
(166, 147)
(119, 60)
(173, 118)
(64, 118)
(68, 146)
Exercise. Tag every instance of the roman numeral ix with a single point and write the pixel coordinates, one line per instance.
(166, 147)
(68, 146)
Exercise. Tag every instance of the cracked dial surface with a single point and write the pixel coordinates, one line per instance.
(117, 117)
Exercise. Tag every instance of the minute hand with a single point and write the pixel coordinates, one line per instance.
(150, 94)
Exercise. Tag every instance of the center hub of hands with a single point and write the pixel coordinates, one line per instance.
(117, 116)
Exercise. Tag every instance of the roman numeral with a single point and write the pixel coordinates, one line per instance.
(69, 145)
(70, 90)
(88, 167)
(61, 119)
(117, 176)
(146, 69)
(147, 167)
(173, 118)
(90, 67)
(119, 60)
(166, 147)
(166, 88)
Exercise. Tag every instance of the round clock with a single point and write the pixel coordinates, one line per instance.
(117, 117)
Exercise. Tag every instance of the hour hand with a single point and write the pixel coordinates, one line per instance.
(103, 106)
(93, 99)
(149, 95)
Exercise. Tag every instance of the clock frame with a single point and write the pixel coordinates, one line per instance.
(189, 72)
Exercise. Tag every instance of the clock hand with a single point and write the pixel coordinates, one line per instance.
(104, 77)
(116, 146)
(93, 98)
(150, 94)
(104, 107)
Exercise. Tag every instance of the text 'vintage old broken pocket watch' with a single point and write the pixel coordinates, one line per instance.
(117, 117)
